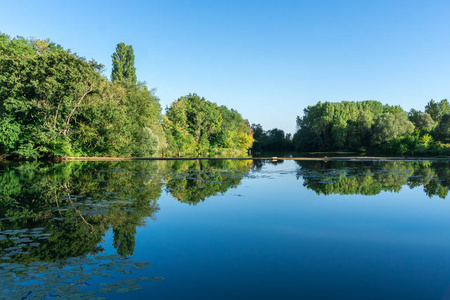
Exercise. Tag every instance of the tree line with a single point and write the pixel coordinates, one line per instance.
(371, 127)
(55, 103)
(273, 140)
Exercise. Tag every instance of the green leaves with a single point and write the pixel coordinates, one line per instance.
(335, 126)
(123, 64)
(147, 143)
(55, 103)
(199, 127)
(391, 126)
(443, 129)
(43, 94)
(9, 135)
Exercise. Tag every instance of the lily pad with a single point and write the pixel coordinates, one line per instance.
(123, 271)
(114, 286)
(128, 281)
(122, 290)
(143, 278)
(140, 265)
(156, 278)
(134, 287)
(104, 290)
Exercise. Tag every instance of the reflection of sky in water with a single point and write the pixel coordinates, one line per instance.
(279, 240)
(272, 238)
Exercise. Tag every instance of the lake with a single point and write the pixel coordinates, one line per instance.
(231, 229)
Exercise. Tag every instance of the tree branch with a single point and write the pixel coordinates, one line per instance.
(75, 107)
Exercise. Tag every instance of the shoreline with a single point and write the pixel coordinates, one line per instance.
(273, 158)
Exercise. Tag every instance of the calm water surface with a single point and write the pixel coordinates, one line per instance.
(225, 230)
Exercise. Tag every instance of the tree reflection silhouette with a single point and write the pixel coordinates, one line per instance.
(371, 178)
(193, 181)
(75, 204)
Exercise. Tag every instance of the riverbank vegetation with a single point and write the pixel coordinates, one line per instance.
(273, 140)
(371, 127)
(56, 103)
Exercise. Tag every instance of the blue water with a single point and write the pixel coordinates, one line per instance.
(272, 237)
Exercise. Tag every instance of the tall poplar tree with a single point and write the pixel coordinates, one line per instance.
(123, 64)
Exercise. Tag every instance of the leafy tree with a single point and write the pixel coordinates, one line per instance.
(424, 121)
(234, 133)
(443, 129)
(444, 106)
(333, 126)
(413, 114)
(53, 102)
(271, 140)
(372, 127)
(123, 64)
(390, 126)
(432, 108)
(179, 138)
(437, 109)
(147, 143)
(16, 46)
(195, 126)
(43, 95)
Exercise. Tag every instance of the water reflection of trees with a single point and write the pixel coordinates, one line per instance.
(258, 164)
(53, 219)
(74, 204)
(371, 178)
(194, 181)
(52, 212)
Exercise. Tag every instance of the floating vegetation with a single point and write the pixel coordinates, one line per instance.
(53, 220)
(156, 278)
(69, 279)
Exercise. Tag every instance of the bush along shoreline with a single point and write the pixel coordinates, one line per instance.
(55, 104)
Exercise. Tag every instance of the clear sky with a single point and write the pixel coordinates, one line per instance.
(267, 59)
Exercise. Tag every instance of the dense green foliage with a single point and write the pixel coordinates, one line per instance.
(369, 126)
(197, 127)
(123, 64)
(55, 103)
(270, 140)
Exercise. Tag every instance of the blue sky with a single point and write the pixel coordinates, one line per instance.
(266, 59)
